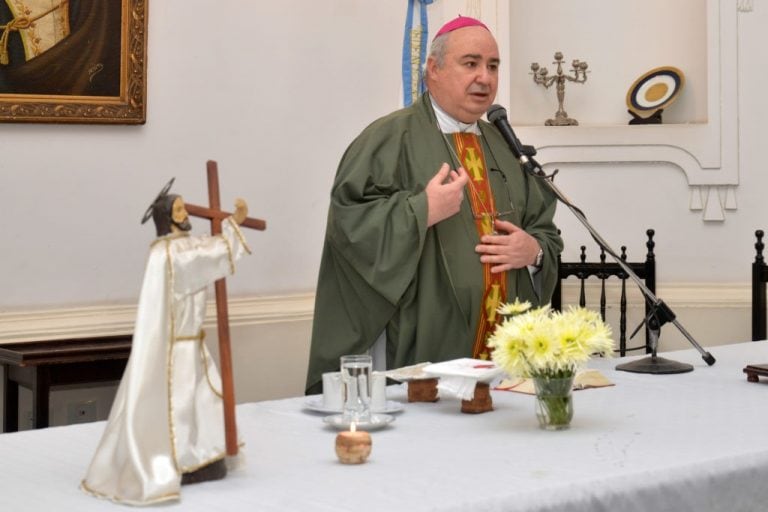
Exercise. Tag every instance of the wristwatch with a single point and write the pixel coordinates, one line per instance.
(539, 258)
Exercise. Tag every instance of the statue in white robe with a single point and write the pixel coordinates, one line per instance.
(167, 417)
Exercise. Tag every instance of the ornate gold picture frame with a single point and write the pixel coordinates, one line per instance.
(73, 61)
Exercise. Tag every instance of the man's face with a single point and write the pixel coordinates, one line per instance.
(465, 86)
(179, 216)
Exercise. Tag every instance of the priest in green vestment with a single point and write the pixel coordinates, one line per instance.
(432, 223)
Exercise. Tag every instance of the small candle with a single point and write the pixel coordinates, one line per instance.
(353, 446)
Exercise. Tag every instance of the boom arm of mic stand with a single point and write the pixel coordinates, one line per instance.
(533, 167)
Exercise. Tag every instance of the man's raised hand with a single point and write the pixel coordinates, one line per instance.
(445, 192)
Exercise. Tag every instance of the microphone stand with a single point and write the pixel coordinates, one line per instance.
(659, 314)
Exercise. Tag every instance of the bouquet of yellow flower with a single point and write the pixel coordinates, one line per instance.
(545, 343)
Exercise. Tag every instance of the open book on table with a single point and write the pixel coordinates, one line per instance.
(584, 379)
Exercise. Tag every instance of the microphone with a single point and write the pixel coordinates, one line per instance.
(497, 115)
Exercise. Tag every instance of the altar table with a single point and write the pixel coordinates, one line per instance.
(691, 441)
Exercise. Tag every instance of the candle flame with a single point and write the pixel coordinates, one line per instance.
(352, 427)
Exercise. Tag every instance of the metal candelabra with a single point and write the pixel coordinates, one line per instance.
(541, 77)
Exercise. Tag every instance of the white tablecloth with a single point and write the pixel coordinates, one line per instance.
(693, 441)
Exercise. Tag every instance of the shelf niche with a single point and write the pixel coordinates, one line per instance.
(620, 41)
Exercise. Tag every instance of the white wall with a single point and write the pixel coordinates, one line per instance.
(275, 94)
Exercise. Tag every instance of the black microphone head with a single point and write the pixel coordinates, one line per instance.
(495, 113)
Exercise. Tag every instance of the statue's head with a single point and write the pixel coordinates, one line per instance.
(168, 212)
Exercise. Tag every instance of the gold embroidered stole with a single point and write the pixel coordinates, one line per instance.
(484, 210)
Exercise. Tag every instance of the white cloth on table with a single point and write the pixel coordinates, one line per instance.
(459, 377)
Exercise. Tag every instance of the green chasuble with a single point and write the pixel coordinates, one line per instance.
(383, 269)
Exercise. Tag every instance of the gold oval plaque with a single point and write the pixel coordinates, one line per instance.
(655, 90)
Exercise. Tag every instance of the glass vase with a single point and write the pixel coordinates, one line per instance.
(554, 403)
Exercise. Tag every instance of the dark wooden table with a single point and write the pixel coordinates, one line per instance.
(39, 365)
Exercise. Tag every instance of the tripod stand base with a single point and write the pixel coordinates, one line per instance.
(657, 365)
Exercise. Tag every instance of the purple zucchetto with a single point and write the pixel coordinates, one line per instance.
(460, 22)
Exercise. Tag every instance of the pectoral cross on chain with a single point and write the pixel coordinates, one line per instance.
(216, 215)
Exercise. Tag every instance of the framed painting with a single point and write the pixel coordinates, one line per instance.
(73, 61)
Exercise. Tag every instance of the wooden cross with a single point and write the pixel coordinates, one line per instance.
(216, 215)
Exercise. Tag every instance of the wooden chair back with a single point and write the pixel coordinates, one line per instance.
(759, 278)
(603, 271)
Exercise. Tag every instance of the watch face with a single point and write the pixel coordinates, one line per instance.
(655, 90)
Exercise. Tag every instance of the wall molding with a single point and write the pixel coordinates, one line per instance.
(93, 321)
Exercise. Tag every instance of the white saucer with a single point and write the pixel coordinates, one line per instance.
(377, 421)
(315, 403)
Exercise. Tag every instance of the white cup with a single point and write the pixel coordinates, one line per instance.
(332, 394)
(378, 392)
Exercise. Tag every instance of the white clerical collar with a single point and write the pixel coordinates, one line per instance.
(448, 124)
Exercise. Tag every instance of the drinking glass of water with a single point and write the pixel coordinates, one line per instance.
(356, 371)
